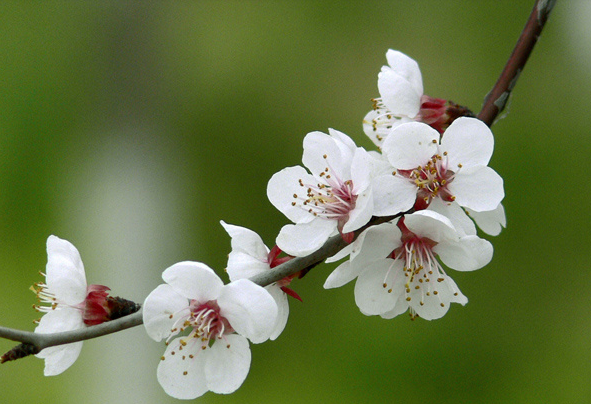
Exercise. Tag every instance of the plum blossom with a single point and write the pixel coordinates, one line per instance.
(402, 100)
(397, 269)
(214, 355)
(249, 257)
(425, 169)
(335, 197)
(72, 304)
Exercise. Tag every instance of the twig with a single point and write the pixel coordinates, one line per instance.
(497, 98)
(494, 103)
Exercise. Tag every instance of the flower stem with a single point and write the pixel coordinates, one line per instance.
(497, 98)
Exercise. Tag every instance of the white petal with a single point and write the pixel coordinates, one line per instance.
(455, 214)
(193, 280)
(479, 188)
(469, 254)
(400, 307)
(407, 68)
(228, 363)
(426, 223)
(435, 306)
(158, 311)
(344, 142)
(61, 357)
(392, 194)
(282, 309)
(182, 373)
(304, 238)
(249, 308)
(282, 187)
(362, 213)
(411, 145)
(242, 265)
(376, 243)
(338, 159)
(398, 94)
(344, 252)
(370, 294)
(492, 221)
(361, 170)
(65, 276)
(342, 275)
(61, 319)
(469, 142)
(247, 241)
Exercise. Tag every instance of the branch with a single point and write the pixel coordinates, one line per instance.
(46, 340)
(494, 103)
(496, 99)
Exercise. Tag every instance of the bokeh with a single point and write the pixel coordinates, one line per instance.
(130, 128)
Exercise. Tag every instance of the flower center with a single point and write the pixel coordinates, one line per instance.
(205, 321)
(93, 308)
(422, 270)
(333, 199)
(432, 180)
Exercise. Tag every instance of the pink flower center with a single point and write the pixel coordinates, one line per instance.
(334, 199)
(95, 308)
(205, 321)
(422, 270)
(432, 180)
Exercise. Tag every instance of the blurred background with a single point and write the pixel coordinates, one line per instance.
(132, 128)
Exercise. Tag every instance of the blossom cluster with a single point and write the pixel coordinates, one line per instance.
(406, 212)
(431, 182)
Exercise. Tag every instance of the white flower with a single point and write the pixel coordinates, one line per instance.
(72, 304)
(425, 169)
(401, 87)
(397, 268)
(250, 257)
(335, 197)
(215, 354)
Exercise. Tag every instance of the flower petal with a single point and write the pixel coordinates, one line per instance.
(65, 276)
(159, 311)
(342, 275)
(302, 239)
(398, 94)
(469, 254)
(376, 243)
(411, 145)
(227, 364)
(193, 280)
(492, 221)
(282, 187)
(282, 309)
(247, 241)
(435, 306)
(469, 142)
(371, 296)
(362, 213)
(407, 68)
(392, 194)
(322, 151)
(453, 211)
(242, 265)
(249, 308)
(61, 357)
(182, 374)
(479, 188)
(432, 225)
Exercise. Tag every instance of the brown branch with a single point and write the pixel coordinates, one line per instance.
(496, 99)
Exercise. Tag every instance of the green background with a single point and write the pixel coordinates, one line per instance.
(132, 128)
